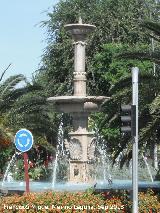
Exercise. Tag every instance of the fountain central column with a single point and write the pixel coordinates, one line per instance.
(79, 69)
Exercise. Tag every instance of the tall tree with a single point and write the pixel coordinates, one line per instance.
(118, 23)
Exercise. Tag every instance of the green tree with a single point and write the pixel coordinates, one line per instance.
(118, 75)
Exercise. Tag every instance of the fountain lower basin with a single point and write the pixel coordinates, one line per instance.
(71, 104)
(37, 186)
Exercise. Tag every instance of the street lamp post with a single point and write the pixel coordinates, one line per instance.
(135, 72)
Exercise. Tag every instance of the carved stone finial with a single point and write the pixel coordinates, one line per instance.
(80, 20)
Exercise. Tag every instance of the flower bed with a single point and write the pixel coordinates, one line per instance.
(77, 202)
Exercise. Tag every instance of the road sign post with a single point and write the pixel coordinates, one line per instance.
(25, 156)
(23, 141)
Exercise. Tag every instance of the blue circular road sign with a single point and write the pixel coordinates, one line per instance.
(23, 140)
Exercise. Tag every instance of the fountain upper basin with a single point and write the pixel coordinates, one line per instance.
(79, 31)
(71, 104)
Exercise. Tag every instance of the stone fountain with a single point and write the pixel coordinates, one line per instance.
(81, 145)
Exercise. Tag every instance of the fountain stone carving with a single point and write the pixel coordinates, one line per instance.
(81, 145)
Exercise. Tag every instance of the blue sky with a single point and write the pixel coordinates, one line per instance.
(22, 40)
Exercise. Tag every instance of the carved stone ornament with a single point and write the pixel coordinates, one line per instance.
(80, 42)
(75, 149)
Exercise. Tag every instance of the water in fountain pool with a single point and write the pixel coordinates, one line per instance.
(36, 186)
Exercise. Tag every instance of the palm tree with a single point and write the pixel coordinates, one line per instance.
(149, 99)
(33, 112)
(8, 96)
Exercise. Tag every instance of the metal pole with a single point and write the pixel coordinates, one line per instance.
(135, 72)
(25, 155)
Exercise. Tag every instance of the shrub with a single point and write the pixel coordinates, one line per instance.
(111, 202)
(148, 202)
(60, 202)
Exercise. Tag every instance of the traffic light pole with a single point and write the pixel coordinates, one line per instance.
(135, 72)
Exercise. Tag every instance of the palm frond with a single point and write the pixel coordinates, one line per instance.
(151, 56)
(153, 26)
(155, 106)
(4, 71)
(147, 132)
(10, 83)
(121, 84)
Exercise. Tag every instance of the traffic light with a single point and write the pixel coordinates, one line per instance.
(128, 119)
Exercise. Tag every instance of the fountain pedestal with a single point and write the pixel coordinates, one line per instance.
(81, 141)
(81, 146)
